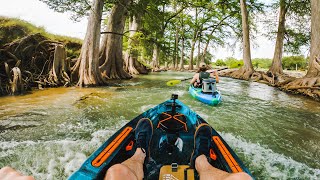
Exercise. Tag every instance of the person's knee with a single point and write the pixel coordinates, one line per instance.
(10, 173)
(239, 176)
(118, 170)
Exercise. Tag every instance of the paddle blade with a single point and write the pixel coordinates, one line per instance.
(173, 82)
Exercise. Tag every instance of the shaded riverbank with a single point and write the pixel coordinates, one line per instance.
(49, 133)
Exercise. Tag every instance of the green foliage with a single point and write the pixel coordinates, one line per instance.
(220, 62)
(78, 8)
(298, 40)
(207, 59)
(233, 62)
(263, 63)
(297, 24)
(290, 62)
(12, 29)
(298, 29)
(230, 62)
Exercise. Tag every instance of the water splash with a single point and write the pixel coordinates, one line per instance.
(56, 159)
(265, 163)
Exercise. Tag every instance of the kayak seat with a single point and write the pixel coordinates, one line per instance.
(172, 123)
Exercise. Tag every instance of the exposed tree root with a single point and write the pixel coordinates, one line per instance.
(242, 73)
(133, 66)
(142, 69)
(15, 84)
(57, 74)
(308, 86)
(237, 74)
(226, 72)
(31, 62)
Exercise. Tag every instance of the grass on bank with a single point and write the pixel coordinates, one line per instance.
(288, 63)
(12, 29)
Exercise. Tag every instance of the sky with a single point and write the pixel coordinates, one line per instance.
(39, 14)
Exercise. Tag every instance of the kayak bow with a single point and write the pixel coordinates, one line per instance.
(171, 147)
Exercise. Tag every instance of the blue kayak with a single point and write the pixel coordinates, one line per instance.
(207, 98)
(171, 146)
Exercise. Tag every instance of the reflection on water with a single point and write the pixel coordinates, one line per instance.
(49, 133)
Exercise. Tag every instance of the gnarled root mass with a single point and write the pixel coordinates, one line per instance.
(33, 61)
(142, 69)
(241, 73)
(308, 86)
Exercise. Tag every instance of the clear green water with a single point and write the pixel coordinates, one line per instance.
(49, 133)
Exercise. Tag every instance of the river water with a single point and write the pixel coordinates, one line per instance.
(49, 133)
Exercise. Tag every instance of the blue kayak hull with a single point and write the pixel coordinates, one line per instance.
(206, 98)
(121, 145)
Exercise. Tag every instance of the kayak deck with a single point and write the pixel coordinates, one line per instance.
(172, 142)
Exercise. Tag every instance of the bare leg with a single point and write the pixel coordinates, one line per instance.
(7, 173)
(208, 172)
(132, 168)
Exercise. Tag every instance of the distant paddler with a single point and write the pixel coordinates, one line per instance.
(203, 73)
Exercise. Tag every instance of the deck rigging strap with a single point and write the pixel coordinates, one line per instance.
(175, 122)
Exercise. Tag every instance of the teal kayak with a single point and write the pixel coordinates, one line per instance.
(172, 145)
(207, 98)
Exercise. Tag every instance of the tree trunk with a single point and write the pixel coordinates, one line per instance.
(276, 67)
(191, 54)
(113, 64)
(314, 64)
(181, 67)
(102, 52)
(87, 64)
(132, 53)
(246, 71)
(310, 83)
(176, 44)
(173, 66)
(155, 57)
(193, 42)
(15, 85)
(203, 57)
(246, 39)
(58, 73)
(199, 55)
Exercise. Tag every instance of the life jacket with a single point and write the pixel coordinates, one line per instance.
(203, 75)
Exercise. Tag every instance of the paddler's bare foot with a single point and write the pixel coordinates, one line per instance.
(206, 171)
(132, 168)
(7, 173)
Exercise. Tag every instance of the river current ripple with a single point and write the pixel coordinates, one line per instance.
(49, 133)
